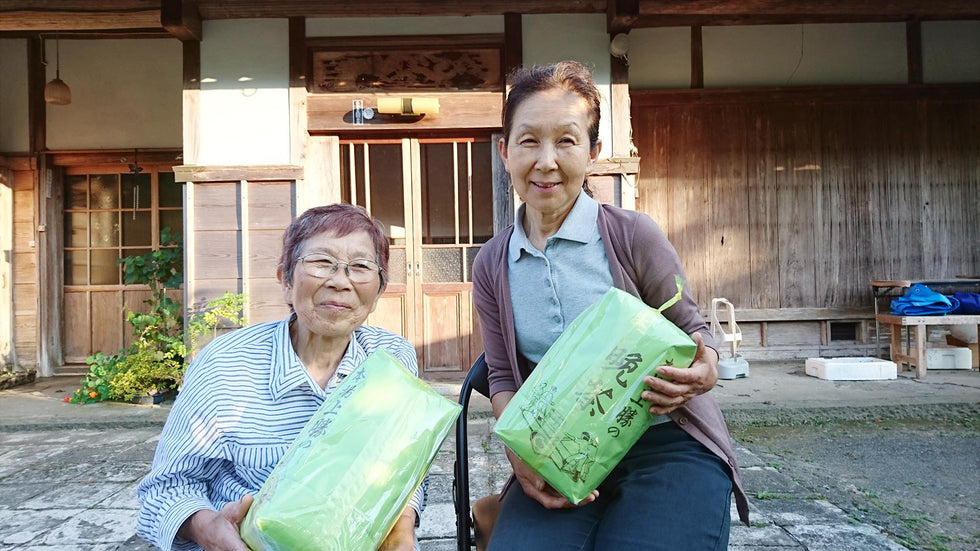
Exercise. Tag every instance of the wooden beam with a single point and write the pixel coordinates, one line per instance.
(404, 42)
(251, 173)
(191, 101)
(181, 19)
(662, 13)
(79, 15)
(621, 15)
(619, 73)
(710, 96)
(513, 42)
(298, 57)
(37, 114)
(697, 57)
(115, 156)
(222, 9)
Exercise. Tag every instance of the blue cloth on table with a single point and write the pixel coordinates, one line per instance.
(920, 300)
(969, 303)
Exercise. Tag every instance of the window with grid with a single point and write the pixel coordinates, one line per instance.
(109, 216)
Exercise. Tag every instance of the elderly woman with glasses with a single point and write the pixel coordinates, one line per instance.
(248, 394)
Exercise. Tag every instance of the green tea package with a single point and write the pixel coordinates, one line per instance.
(355, 465)
(580, 410)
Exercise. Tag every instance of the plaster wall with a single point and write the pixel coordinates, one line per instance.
(550, 38)
(124, 93)
(244, 100)
(798, 55)
(950, 51)
(14, 130)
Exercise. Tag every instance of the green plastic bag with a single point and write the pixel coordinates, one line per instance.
(355, 465)
(580, 411)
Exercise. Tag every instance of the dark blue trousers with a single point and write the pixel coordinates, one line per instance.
(669, 493)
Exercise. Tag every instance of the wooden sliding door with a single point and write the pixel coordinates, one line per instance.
(434, 198)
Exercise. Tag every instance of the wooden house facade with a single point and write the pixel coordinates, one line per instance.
(791, 153)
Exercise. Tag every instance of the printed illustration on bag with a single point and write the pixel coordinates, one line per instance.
(575, 453)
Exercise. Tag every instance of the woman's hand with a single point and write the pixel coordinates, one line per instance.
(217, 530)
(666, 396)
(537, 489)
(402, 536)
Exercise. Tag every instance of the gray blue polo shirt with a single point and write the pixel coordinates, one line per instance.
(550, 288)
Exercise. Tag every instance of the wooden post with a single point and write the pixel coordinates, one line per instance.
(504, 202)
(697, 58)
(192, 102)
(8, 352)
(913, 45)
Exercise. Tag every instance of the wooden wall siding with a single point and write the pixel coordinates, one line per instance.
(221, 257)
(271, 208)
(25, 270)
(797, 203)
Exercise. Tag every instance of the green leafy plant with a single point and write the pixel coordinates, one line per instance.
(95, 386)
(226, 311)
(156, 359)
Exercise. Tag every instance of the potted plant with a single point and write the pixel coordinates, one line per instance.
(152, 367)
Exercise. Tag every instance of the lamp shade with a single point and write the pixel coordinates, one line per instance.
(57, 92)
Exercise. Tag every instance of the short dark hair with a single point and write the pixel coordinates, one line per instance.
(340, 219)
(571, 76)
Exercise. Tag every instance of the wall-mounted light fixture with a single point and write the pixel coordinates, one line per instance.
(619, 46)
(408, 106)
(56, 91)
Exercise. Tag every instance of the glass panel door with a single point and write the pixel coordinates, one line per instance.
(434, 198)
(454, 192)
(110, 214)
(373, 175)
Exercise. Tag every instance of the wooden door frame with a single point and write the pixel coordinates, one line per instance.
(63, 163)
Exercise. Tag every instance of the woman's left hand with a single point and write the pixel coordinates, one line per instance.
(402, 536)
(684, 384)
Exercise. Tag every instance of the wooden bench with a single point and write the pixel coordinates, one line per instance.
(900, 354)
(891, 288)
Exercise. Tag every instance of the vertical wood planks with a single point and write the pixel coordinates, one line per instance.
(727, 236)
(834, 190)
(762, 214)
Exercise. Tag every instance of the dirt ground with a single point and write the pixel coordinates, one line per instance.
(919, 480)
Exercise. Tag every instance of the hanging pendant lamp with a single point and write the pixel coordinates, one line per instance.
(56, 91)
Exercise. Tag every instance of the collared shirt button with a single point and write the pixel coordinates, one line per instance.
(682, 421)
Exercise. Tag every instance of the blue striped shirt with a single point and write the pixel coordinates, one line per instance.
(245, 398)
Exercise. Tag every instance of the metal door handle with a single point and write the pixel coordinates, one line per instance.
(418, 269)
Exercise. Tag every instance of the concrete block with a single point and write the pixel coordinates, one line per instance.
(851, 369)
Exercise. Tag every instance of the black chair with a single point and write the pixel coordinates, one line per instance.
(476, 380)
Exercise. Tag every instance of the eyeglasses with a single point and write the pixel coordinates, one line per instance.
(322, 266)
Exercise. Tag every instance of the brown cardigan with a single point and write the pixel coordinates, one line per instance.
(638, 252)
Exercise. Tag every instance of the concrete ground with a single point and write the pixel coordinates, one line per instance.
(68, 473)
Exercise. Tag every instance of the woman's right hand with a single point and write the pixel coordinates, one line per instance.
(537, 489)
(218, 530)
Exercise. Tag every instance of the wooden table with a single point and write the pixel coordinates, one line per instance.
(883, 288)
(900, 354)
